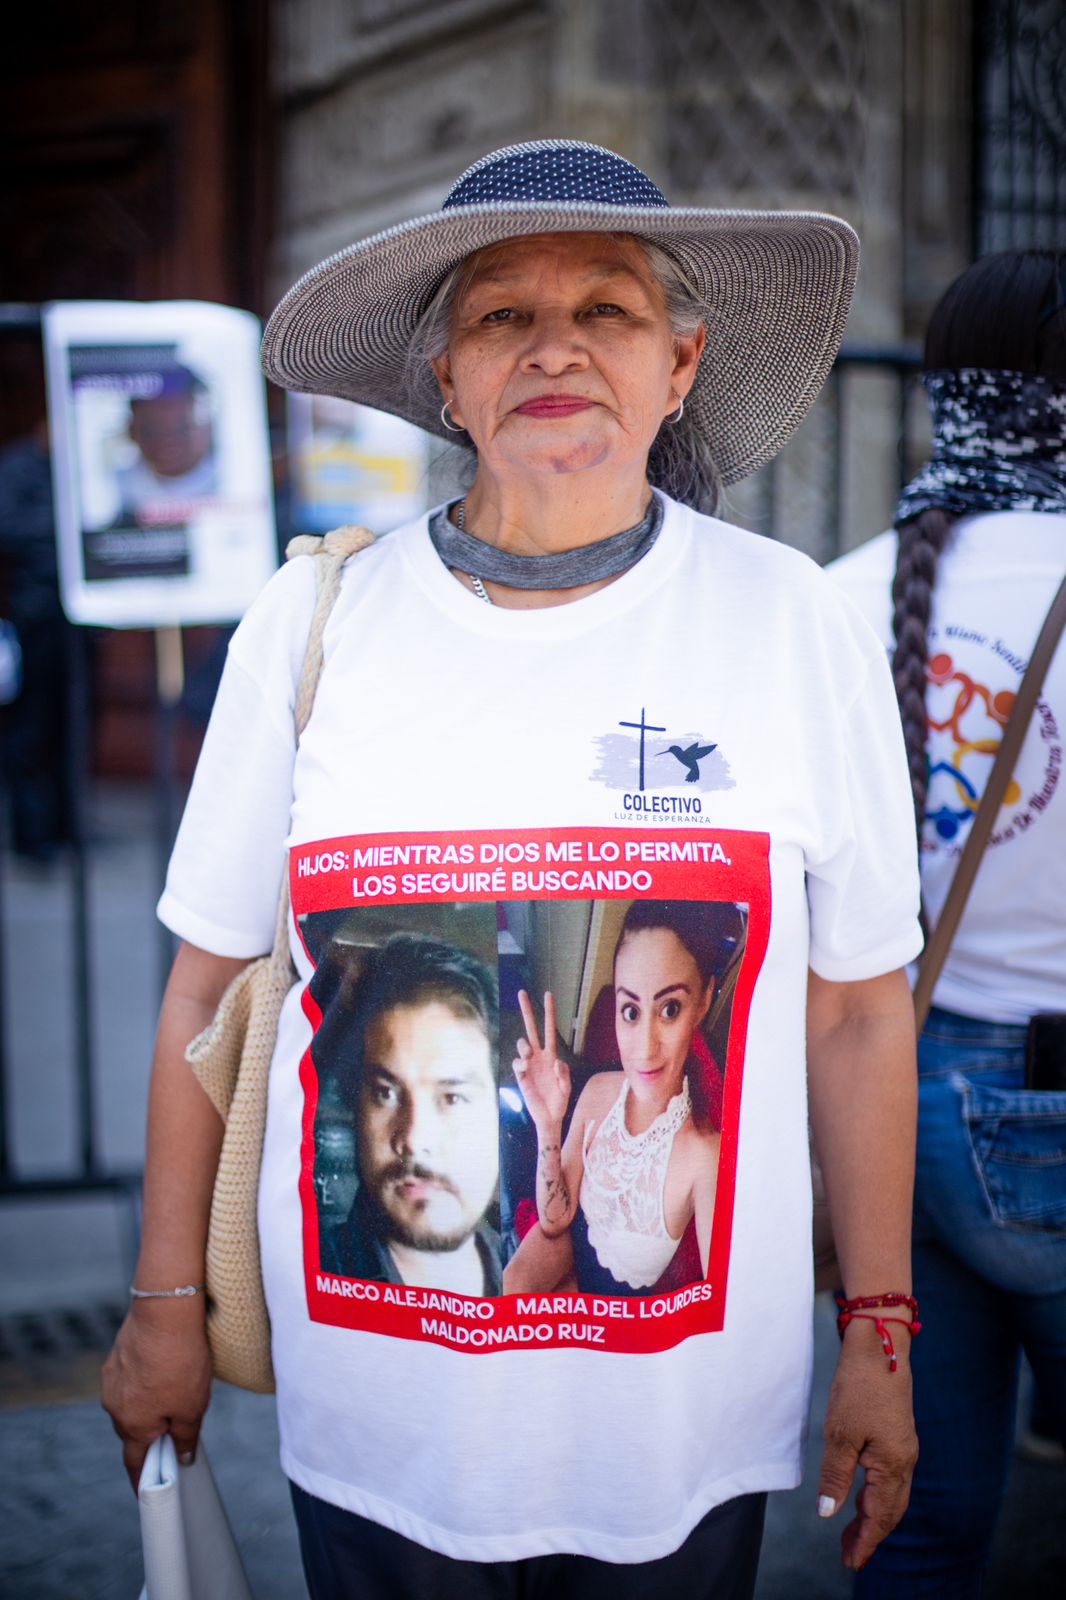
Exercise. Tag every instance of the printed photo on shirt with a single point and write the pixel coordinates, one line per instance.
(406, 1149)
(522, 1087)
(611, 1104)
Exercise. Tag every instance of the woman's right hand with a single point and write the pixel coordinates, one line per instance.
(542, 1077)
(157, 1379)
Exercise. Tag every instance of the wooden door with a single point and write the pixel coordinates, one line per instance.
(135, 163)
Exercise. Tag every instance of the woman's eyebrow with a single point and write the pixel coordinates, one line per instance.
(670, 989)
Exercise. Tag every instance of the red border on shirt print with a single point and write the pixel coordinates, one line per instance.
(740, 872)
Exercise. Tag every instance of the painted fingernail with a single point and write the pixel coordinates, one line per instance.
(826, 1505)
(186, 1459)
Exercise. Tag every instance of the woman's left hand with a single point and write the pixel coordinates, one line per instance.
(864, 1095)
(869, 1423)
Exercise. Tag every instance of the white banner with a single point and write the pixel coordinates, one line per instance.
(161, 461)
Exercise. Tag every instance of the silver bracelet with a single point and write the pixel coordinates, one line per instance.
(167, 1294)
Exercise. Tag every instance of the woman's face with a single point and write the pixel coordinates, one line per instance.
(659, 1002)
(561, 357)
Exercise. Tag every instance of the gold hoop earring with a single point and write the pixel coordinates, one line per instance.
(452, 427)
(678, 414)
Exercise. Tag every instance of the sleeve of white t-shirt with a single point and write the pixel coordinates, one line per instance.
(863, 887)
(224, 875)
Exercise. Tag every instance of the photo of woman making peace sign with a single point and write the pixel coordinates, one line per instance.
(639, 1160)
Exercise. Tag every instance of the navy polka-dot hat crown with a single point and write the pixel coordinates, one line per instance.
(555, 169)
(775, 287)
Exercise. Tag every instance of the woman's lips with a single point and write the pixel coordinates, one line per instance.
(553, 405)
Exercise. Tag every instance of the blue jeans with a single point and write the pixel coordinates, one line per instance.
(990, 1277)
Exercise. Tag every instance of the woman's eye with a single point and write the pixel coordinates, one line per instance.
(629, 1012)
(606, 309)
(503, 314)
(672, 1010)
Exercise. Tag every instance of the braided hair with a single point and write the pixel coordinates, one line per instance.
(1006, 312)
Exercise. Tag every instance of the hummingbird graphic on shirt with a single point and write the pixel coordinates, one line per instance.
(690, 758)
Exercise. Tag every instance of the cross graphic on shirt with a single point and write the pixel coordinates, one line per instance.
(645, 727)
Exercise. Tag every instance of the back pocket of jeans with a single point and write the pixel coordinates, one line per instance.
(1018, 1138)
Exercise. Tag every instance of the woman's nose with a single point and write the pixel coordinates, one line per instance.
(648, 1040)
(555, 345)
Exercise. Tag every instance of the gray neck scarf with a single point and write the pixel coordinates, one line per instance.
(569, 569)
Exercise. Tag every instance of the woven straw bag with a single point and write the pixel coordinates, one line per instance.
(231, 1060)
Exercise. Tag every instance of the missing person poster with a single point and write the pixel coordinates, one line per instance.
(350, 463)
(161, 461)
(522, 1093)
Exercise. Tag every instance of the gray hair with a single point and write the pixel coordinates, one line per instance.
(680, 462)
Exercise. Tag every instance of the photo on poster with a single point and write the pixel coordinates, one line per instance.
(611, 1103)
(523, 1083)
(146, 456)
(161, 462)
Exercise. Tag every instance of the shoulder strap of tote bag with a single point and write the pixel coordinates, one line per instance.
(984, 819)
(331, 551)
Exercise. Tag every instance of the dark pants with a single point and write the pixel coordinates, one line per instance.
(347, 1557)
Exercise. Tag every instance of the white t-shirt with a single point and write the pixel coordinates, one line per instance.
(994, 585)
(714, 726)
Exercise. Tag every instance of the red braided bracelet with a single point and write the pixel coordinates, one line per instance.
(859, 1310)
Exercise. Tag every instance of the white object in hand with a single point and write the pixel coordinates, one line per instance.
(189, 1549)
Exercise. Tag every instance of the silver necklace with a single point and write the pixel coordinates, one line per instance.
(475, 582)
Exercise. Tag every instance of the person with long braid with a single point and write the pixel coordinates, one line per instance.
(959, 589)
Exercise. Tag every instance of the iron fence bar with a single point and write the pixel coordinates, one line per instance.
(19, 316)
(5, 1150)
(16, 317)
(904, 358)
(126, 1187)
(23, 1187)
(77, 778)
(903, 402)
(170, 683)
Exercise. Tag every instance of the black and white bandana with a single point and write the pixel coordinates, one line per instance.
(999, 444)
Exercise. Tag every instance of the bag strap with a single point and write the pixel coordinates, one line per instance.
(984, 820)
(331, 551)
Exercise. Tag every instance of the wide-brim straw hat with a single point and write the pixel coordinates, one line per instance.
(775, 286)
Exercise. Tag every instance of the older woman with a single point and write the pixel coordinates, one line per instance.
(493, 676)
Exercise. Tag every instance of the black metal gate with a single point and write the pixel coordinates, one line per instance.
(1020, 125)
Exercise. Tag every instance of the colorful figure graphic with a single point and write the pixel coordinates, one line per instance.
(971, 697)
